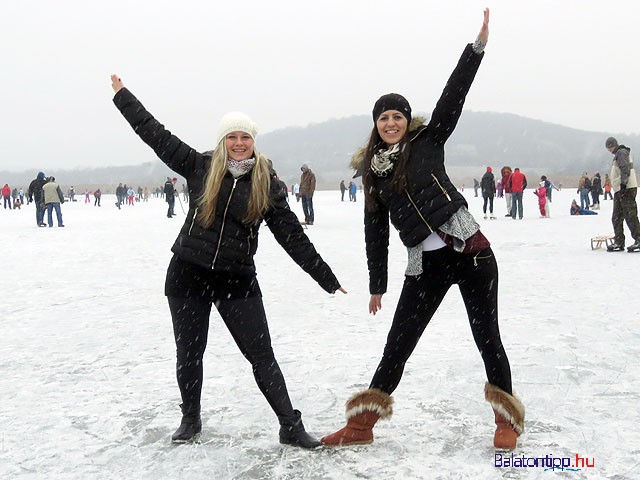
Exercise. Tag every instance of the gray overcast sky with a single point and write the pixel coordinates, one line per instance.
(291, 63)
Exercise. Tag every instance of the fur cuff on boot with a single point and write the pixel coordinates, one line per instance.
(372, 400)
(509, 406)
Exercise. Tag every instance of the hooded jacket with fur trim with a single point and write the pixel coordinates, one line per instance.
(430, 198)
(229, 245)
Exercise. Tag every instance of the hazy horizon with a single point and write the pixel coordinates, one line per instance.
(567, 63)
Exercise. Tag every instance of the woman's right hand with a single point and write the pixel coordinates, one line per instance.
(375, 303)
(483, 36)
(116, 83)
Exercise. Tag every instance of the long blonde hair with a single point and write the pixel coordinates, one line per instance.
(260, 184)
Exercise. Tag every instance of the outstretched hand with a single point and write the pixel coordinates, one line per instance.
(116, 83)
(483, 36)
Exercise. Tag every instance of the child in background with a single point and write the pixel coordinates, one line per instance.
(541, 193)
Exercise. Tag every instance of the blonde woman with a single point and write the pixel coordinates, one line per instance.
(230, 193)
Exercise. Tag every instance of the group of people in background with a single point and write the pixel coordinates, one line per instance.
(593, 187)
(620, 186)
(352, 188)
(511, 186)
(12, 198)
(47, 196)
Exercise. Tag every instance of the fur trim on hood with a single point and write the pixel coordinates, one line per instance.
(357, 160)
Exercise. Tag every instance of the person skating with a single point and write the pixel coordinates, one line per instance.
(35, 195)
(307, 189)
(53, 198)
(231, 191)
(169, 190)
(405, 180)
(488, 189)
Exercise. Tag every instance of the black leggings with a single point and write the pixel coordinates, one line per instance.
(484, 205)
(477, 278)
(247, 323)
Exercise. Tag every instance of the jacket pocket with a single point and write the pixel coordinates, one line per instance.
(418, 211)
(446, 194)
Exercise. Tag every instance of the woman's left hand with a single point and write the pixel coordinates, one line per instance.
(341, 290)
(483, 36)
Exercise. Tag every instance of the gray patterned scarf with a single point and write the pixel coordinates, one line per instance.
(382, 161)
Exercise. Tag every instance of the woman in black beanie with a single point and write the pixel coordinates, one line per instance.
(405, 180)
(231, 191)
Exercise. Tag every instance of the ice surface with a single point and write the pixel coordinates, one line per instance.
(87, 353)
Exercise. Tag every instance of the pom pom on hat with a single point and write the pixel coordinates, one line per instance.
(236, 122)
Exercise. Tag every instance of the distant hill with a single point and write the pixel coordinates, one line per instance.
(480, 139)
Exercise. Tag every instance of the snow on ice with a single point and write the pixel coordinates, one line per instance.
(87, 354)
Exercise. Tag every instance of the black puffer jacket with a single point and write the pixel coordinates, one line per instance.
(430, 198)
(229, 244)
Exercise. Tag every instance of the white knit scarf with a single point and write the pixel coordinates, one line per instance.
(237, 168)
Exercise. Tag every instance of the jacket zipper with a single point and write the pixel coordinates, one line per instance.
(193, 220)
(249, 241)
(441, 187)
(418, 210)
(224, 219)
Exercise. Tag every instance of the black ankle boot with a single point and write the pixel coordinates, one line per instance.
(292, 432)
(188, 431)
(190, 426)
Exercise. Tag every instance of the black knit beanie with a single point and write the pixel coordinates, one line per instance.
(611, 142)
(392, 101)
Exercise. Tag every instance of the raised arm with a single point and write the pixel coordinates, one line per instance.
(449, 107)
(178, 156)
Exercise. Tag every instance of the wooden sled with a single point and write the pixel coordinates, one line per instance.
(596, 242)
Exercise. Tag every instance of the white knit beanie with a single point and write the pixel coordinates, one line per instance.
(236, 122)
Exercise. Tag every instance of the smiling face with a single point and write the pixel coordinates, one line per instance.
(392, 126)
(239, 145)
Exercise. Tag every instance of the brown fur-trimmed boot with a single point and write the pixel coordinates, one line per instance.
(363, 410)
(509, 416)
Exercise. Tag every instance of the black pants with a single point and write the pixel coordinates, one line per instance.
(625, 208)
(477, 278)
(247, 323)
(484, 205)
